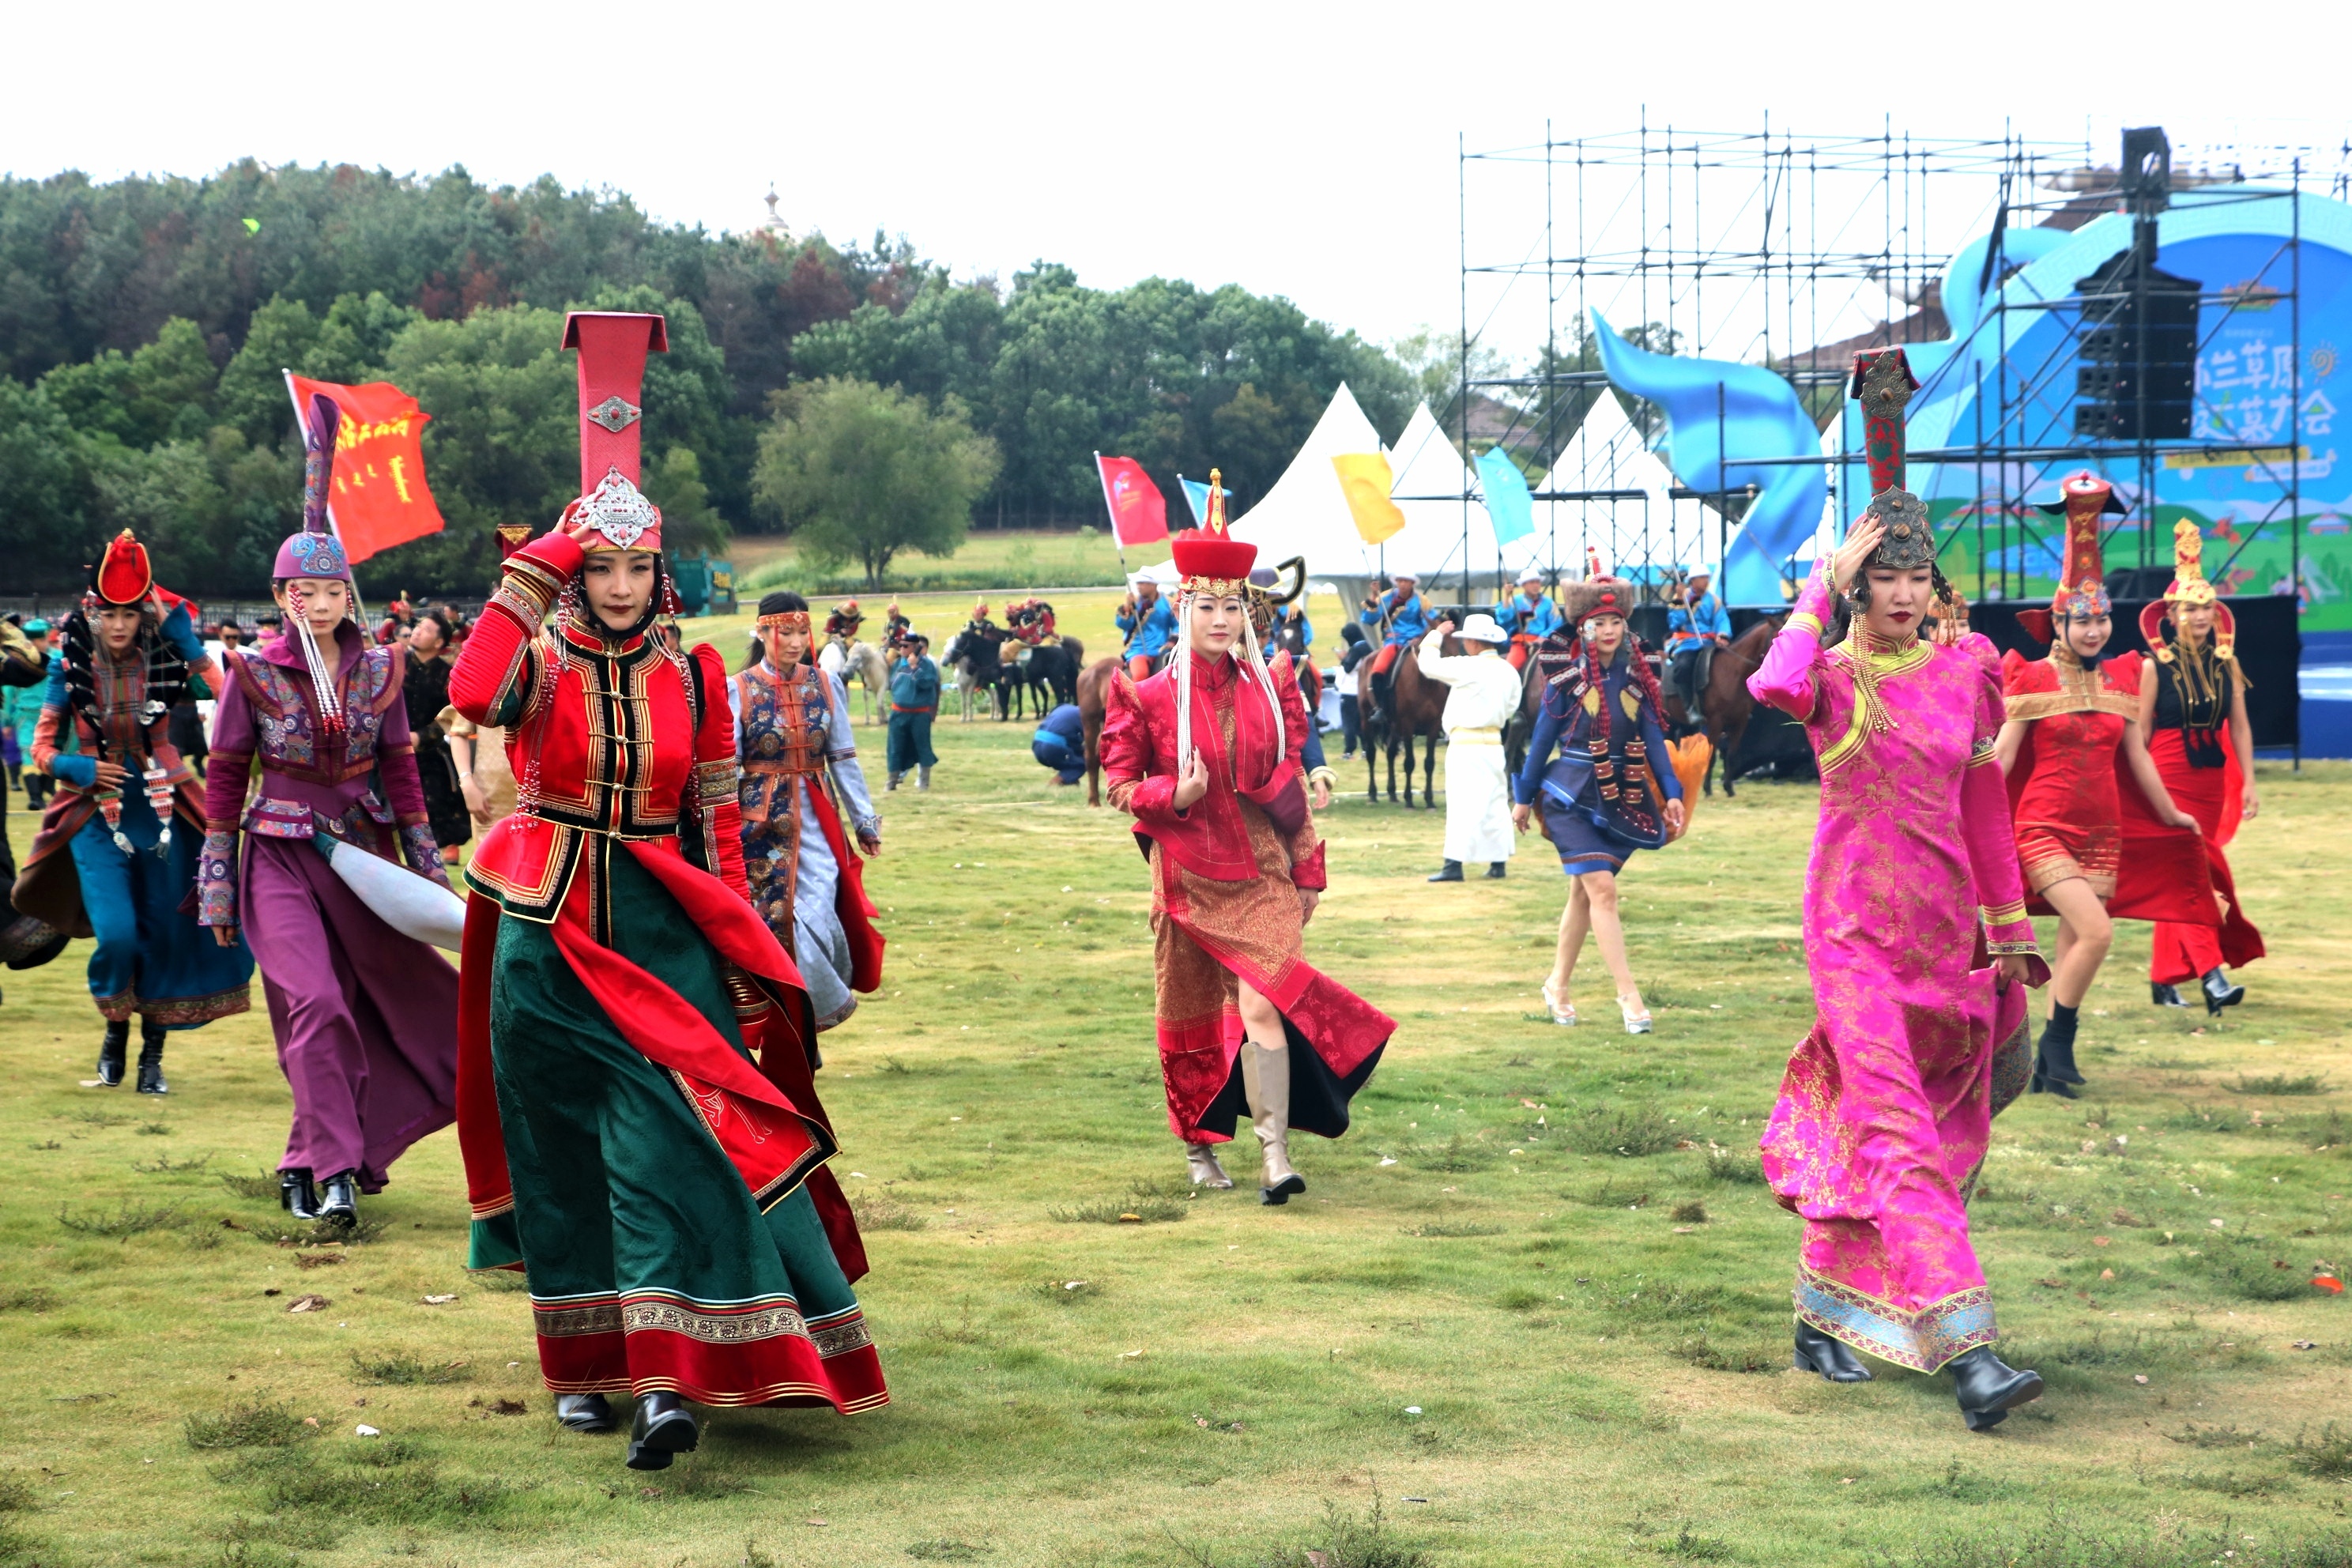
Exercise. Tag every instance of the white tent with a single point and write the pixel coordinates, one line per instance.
(1656, 531)
(1430, 480)
(1305, 514)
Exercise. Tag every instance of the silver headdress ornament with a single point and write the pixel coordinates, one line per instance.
(618, 511)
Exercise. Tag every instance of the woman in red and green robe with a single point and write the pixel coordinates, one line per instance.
(636, 1106)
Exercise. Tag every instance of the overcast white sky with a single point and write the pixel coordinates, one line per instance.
(1299, 150)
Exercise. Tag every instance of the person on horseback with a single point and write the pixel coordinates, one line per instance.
(844, 620)
(1486, 694)
(1405, 616)
(1529, 617)
(1600, 800)
(1148, 624)
(895, 628)
(979, 625)
(1696, 626)
(1205, 757)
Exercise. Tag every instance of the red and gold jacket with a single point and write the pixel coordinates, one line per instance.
(591, 736)
(1210, 838)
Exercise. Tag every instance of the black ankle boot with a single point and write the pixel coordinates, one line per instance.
(1495, 870)
(298, 1195)
(151, 1059)
(2220, 992)
(1988, 1389)
(2165, 995)
(1833, 1359)
(339, 1199)
(111, 1050)
(583, 1412)
(663, 1427)
(1453, 872)
(2054, 1060)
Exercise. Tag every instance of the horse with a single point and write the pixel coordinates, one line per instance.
(1727, 704)
(975, 656)
(843, 658)
(1092, 695)
(1416, 708)
(1052, 668)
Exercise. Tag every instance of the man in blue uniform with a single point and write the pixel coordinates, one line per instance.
(1150, 626)
(914, 703)
(1697, 624)
(1529, 615)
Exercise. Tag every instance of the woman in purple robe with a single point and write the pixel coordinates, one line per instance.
(1885, 1110)
(365, 1017)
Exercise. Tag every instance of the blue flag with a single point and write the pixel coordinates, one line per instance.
(1509, 505)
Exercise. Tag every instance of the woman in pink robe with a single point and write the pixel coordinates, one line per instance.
(1884, 1113)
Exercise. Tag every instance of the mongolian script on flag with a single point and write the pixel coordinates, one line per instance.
(1137, 512)
(379, 496)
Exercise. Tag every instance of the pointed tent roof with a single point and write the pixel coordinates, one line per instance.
(1305, 512)
(1431, 478)
(1607, 453)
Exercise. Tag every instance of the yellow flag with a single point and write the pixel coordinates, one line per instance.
(1365, 480)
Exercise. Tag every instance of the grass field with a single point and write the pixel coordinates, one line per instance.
(990, 559)
(1532, 1311)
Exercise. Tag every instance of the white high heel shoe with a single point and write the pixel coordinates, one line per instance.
(1562, 1013)
(1635, 1023)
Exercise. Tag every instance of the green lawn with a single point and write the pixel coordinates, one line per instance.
(989, 557)
(1526, 1306)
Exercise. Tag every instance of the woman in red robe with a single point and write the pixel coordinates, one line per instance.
(2194, 713)
(2072, 720)
(635, 1102)
(1205, 756)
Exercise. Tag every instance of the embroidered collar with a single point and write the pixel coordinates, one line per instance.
(1212, 674)
(588, 639)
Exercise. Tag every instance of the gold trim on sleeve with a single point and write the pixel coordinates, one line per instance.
(2007, 914)
(1807, 619)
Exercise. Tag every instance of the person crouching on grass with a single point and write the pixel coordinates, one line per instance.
(1205, 756)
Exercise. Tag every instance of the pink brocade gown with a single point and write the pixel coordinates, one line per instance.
(1884, 1113)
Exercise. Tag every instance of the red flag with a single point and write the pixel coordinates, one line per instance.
(1138, 514)
(379, 498)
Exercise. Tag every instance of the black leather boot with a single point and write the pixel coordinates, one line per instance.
(298, 1195)
(583, 1412)
(2165, 995)
(1495, 870)
(2220, 992)
(111, 1050)
(1453, 872)
(2054, 1060)
(339, 1199)
(1989, 1388)
(151, 1059)
(663, 1428)
(1833, 1359)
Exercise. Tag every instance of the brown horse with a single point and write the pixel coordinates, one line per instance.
(1727, 703)
(1093, 696)
(1418, 705)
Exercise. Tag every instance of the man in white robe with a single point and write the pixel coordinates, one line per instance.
(1486, 694)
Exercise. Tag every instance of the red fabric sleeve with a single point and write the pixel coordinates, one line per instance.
(492, 656)
(1127, 755)
(714, 772)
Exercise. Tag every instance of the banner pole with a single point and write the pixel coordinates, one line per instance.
(1117, 543)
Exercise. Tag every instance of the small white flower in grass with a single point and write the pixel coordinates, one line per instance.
(1073, 1284)
(1412, 1410)
(861, 1175)
(1386, 1160)
(364, 1430)
(2214, 1222)
(1067, 889)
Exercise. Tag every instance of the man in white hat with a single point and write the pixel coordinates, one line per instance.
(1486, 694)
(1529, 617)
(1695, 626)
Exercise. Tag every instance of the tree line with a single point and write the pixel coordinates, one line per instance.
(144, 323)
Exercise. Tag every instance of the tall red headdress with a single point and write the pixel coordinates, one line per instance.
(1209, 559)
(2081, 573)
(613, 346)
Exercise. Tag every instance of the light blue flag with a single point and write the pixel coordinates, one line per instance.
(1196, 495)
(1509, 505)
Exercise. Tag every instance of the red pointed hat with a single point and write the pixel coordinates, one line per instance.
(613, 346)
(1209, 559)
(2084, 498)
(123, 574)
